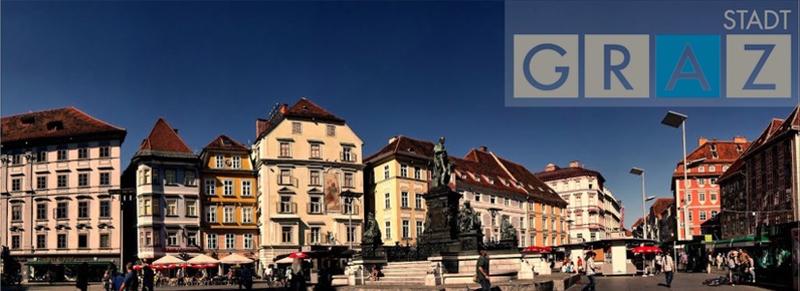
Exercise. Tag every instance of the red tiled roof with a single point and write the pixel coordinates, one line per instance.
(569, 172)
(163, 138)
(637, 223)
(223, 142)
(661, 205)
(304, 109)
(775, 127)
(54, 124)
(403, 145)
(727, 152)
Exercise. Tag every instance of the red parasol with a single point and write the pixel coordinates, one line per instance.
(646, 250)
(537, 250)
(298, 255)
(137, 267)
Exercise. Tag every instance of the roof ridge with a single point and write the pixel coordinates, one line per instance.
(93, 118)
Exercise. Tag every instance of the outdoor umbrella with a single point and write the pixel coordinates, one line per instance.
(168, 260)
(298, 255)
(202, 259)
(646, 250)
(234, 259)
(537, 250)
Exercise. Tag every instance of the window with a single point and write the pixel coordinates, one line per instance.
(41, 182)
(348, 207)
(315, 151)
(314, 179)
(315, 206)
(286, 234)
(247, 215)
(105, 152)
(220, 161)
(713, 213)
(211, 241)
(191, 239)
(406, 231)
(285, 150)
(286, 205)
(506, 201)
(41, 156)
(146, 238)
(16, 184)
(701, 181)
(146, 207)
(688, 197)
(712, 168)
(191, 208)
(417, 173)
(388, 230)
(41, 241)
(702, 215)
(713, 196)
(493, 199)
(83, 241)
(230, 241)
(62, 210)
(105, 179)
(83, 153)
(248, 241)
(701, 196)
(227, 214)
(62, 154)
(246, 188)
(170, 177)
(16, 212)
(314, 237)
(61, 242)
(386, 172)
(701, 169)
(105, 241)
(419, 228)
(351, 233)
(477, 197)
(690, 216)
(16, 159)
(347, 154)
(83, 209)
(172, 207)
(83, 179)
(237, 162)
(41, 211)
(404, 199)
(285, 178)
(592, 236)
(211, 214)
(418, 201)
(330, 130)
(172, 239)
(712, 181)
(211, 186)
(387, 201)
(227, 187)
(105, 208)
(348, 180)
(403, 171)
(14, 241)
(297, 128)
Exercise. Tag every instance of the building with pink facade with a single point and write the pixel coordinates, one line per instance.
(60, 172)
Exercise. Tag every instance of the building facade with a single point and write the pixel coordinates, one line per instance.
(593, 210)
(496, 188)
(660, 221)
(760, 188)
(229, 199)
(305, 158)
(167, 195)
(706, 164)
(60, 169)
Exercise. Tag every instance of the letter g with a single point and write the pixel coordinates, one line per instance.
(562, 70)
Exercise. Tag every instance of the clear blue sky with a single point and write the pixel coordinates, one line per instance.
(412, 68)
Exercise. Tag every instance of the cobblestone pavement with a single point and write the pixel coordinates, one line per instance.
(681, 281)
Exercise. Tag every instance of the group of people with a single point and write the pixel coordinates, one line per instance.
(125, 281)
(569, 266)
(738, 263)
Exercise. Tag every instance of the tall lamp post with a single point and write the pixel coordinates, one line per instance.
(349, 196)
(639, 172)
(675, 120)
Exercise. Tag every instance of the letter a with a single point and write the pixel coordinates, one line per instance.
(696, 73)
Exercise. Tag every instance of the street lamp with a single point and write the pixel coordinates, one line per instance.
(348, 198)
(674, 119)
(640, 172)
(569, 235)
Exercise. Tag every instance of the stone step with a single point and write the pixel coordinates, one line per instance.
(397, 281)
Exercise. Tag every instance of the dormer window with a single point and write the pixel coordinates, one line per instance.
(28, 120)
(55, 125)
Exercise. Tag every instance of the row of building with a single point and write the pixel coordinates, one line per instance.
(68, 201)
(735, 188)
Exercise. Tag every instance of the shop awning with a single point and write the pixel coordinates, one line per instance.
(740, 242)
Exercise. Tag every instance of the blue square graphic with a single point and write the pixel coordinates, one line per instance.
(687, 66)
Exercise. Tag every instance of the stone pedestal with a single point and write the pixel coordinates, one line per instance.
(470, 241)
(460, 268)
(441, 223)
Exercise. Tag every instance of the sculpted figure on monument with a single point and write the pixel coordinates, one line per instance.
(507, 231)
(372, 233)
(468, 219)
(441, 165)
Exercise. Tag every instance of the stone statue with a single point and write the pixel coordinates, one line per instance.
(441, 165)
(507, 231)
(372, 233)
(468, 219)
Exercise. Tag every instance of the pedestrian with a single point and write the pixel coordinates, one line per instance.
(659, 263)
(580, 265)
(719, 261)
(751, 268)
(298, 281)
(108, 279)
(82, 277)
(669, 269)
(118, 279)
(709, 262)
(731, 267)
(246, 278)
(131, 281)
(482, 271)
(590, 271)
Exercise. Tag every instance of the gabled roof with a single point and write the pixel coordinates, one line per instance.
(55, 124)
(558, 173)
(637, 222)
(726, 152)
(303, 109)
(405, 146)
(661, 205)
(163, 138)
(225, 143)
(775, 128)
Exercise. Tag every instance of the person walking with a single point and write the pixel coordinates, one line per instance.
(298, 281)
(669, 269)
(482, 271)
(709, 262)
(147, 277)
(590, 271)
(659, 263)
(731, 267)
(719, 261)
(751, 267)
(131, 281)
(82, 277)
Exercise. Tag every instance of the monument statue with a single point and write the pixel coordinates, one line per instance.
(441, 165)
(468, 219)
(372, 233)
(507, 231)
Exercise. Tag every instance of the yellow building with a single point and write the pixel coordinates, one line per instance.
(229, 222)
(305, 158)
(497, 188)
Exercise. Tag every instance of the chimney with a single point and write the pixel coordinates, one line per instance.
(575, 164)
(701, 141)
(739, 139)
(261, 125)
(550, 167)
(175, 130)
(393, 138)
(283, 108)
(483, 148)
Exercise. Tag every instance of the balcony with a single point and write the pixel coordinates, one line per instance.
(593, 209)
(286, 207)
(287, 181)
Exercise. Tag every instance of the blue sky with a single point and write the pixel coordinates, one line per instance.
(421, 69)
